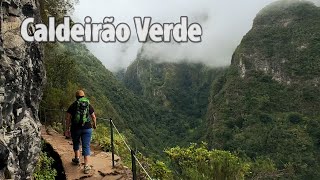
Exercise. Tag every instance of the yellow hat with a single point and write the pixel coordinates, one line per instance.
(79, 93)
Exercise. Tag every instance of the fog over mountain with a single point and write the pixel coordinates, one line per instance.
(224, 24)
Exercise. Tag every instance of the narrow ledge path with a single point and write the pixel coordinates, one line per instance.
(100, 161)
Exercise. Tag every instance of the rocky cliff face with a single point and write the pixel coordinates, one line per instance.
(183, 86)
(283, 43)
(21, 78)
(178, 91)
(267, 104)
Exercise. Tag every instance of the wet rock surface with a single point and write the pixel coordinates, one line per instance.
(21, 80)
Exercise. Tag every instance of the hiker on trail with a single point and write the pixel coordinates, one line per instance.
(80, 127)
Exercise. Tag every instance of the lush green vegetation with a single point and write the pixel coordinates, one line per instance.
(178, 91)
(287, 33)
(267, 122)
(44, 168)
(199, 163)
(193, 162)
(264, 114)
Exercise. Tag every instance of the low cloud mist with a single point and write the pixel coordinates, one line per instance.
(224, 24)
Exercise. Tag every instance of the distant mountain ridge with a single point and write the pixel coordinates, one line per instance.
(267, 104)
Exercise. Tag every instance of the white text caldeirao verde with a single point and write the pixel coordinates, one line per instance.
(108, 32)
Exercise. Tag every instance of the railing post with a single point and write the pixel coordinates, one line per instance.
(63, 121)
(134, 169)
(112, 145)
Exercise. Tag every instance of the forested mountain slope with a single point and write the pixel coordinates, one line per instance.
(267, 103)
(179, 91)
(72, 66)
(264, 108)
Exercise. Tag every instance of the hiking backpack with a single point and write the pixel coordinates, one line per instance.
(82, 112)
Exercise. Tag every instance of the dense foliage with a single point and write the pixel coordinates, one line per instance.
(272, 109)
(44, 169)
(263, 109)
(199, 163)
(179, 92)
(193, 162)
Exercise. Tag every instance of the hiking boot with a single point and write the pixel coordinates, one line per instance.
(76, 161)
(87, 169)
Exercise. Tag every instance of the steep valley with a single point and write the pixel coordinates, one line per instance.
(258, 118)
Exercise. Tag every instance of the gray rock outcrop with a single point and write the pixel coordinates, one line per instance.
(21, 80)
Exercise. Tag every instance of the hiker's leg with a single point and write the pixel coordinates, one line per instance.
(86, 138)
(86, 160)
(75, 134)
(77, 154)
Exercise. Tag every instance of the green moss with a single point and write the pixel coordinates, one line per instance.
(44, 168)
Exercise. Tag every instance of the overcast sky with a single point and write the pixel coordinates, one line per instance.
(224, 23)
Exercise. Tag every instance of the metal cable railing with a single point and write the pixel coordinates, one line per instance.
(122, 138)
(126, 144)
(130, 150)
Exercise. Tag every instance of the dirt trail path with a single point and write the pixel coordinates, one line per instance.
(100, 161)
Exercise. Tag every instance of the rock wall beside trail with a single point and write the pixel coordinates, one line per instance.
(21, 80)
